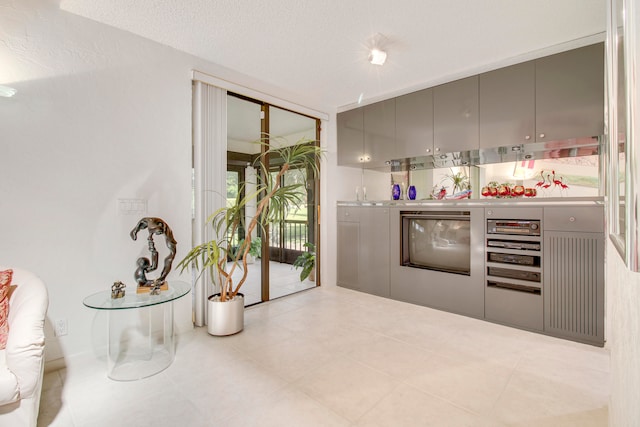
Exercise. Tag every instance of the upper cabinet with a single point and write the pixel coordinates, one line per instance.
(366, 135)
(455, 116)
(507, 106)
(570, 94)
(414, 124)
(549, 99)
(379, 133)
(552, 98)
(350, 137)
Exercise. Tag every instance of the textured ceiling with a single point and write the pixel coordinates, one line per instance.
(318, 48)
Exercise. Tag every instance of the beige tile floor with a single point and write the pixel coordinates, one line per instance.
(285, 280)
(333, 357)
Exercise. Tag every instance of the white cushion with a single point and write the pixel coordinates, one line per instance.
(21, 373)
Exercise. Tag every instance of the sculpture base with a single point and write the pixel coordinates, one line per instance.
(146, 289)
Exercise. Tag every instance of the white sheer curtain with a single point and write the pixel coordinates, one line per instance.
(210, 175)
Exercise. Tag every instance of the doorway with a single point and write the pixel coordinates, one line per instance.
(250, 120)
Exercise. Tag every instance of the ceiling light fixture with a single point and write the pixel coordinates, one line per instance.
(7, 91)
(377, 53)
(377, 56)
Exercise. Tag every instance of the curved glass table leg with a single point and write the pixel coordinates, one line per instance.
(140, 331)
(140, 347)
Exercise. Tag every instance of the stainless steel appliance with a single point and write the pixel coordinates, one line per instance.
(436, 240)
(511, 258)
(529, 227)
(513, 268)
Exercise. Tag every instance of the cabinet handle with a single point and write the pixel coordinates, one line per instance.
(428, 150)
(438, 149)
(572, 219)
(542, 135)
(527, 137)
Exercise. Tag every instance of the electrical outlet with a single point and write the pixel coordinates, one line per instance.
(61, 327)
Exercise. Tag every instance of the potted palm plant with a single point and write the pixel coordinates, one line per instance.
(225, 258)
(306, 261)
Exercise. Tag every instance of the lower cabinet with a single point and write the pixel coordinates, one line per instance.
(574, 273)
(363, 249)
(515, 308)
(348, 250)
(568, 303)
(574, 286)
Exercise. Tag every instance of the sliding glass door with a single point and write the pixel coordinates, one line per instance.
(273, 273)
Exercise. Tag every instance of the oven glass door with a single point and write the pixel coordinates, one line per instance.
(438, 243)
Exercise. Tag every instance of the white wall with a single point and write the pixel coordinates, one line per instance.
(100, 115)
(623, 291)
(623, 318)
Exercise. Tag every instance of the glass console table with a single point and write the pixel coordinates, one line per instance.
(140, 338)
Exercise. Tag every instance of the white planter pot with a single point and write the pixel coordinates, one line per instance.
(225, 318)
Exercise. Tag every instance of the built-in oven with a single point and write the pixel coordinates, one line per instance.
(436, 240)
(513, 267)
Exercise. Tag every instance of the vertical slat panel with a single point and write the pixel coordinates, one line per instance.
(210, 168)
(571, 285)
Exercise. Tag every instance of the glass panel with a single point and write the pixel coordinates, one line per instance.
(288, 238)
(232, 187)
(243, 130)
(616, 128)
(621, 117)
(564, 177)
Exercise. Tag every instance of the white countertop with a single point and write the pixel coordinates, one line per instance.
(484, 202)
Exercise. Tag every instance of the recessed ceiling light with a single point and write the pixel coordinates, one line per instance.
(377, 53)
(377, 56)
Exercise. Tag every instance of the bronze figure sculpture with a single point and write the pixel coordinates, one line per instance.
(156, 226)
(117, 290)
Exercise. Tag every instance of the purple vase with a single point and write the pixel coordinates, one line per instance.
(395, 193)
(412, 192)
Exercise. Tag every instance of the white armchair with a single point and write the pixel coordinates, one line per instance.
(22, 361)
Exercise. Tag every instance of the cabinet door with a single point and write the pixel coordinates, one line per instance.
(379, 133)
(374, 251)
(589, 219)
(348, 240)
(570, 94)
(414, 124)
(574, 285)
(507, 106)
(455, 116)
(350, 137)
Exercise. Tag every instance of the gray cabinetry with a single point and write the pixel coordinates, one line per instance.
(366, 135)
(363, 249)
(507, 106)
(379, 133)
(350, 137)
(574, 273)
(348, 242)
(374, 251)
(570, 94)
(414, 124)
(455, 116)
